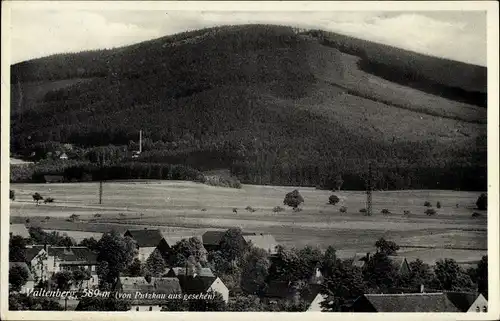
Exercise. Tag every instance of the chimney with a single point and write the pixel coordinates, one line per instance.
(422, 290)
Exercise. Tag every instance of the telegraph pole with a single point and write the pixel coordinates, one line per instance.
(101, 173)
(369, 191)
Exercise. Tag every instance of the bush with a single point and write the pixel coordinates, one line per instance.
(476, 214)
(122, 215)
(293, 199)
(385, 211)
(297, 209)
(250, 209)
(406, 212)
(482, 202)
(430, 211)
(73, 217)
(278, 209)
(48, 200)
(438, 205)
(333, 199)
(203, 209)
(47, 218)
(235, 210)
(363, 210)
(427, 203)
(97, 215)
(343, 209)
(12, 195)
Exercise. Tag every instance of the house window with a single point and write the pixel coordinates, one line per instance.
(137, 309)
(485, 309)
(478, 309)
(150, 308)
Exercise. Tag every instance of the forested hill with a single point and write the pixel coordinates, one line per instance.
(273, 104)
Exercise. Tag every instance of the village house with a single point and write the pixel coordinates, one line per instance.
(211, 239)
(420, 302)
(165, 287)
(197, 284)
(30, 283)
(147, 241)
(19, 230)
(44, 261)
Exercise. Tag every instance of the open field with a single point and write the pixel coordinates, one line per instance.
(187, 209)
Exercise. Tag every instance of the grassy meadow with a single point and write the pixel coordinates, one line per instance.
(189, 209)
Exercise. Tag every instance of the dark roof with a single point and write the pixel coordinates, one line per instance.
(397, 261)
(145, 238)
(310, 292)
(73, 254)
(410, 302)
(195, 284)
(462, 300)
(213, 237)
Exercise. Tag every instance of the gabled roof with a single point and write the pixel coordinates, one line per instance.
(462, 300)
(263, 241)
(175, 271)
(213, 237)
(19, 229)
(145, 237)
(23, 265)
(195, 284)
(73, 254)
(410, 302)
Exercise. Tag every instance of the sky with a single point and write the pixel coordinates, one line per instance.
(457, 35)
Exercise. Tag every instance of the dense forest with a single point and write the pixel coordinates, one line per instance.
(248, 99)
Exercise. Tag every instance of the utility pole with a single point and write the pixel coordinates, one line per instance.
(369, 191)
(101, 173)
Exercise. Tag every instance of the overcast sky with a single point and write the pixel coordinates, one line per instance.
(458, 35)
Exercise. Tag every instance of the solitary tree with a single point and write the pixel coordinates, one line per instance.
(333, 199)
(293, 199)
(233, 245)
(482, 202)
(37, 198)
(12, 194)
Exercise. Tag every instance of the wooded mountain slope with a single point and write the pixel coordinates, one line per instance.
(271, 104)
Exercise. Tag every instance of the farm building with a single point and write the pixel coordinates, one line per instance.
(19, 230)
(147, 241)
(63, 156)
(30, 283)
(197, 284)
(165, 288)
(420, 302)
(212, 239)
